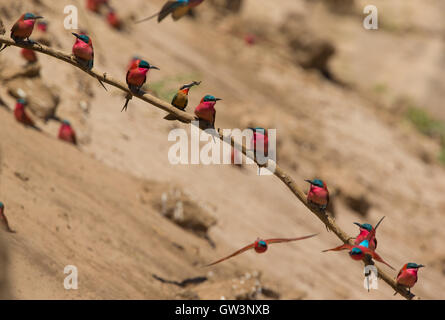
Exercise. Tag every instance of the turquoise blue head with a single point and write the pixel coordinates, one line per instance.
(66, 122)
(316, 182)
(262, 243)
(82, 37)
(21, 101)
(210, 98)
(412, 265)
(145, 65)
(31, 16)
(355, 251)
(1, 205)
(365, 226)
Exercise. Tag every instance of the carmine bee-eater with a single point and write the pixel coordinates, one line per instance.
(23, 28)
(113, 20)
(20, 113)
(95, 5)
(178, 9)
(181, 98)
(206, 110)
(365, 230)
(3, 219)
(407, 276)
(67, 133)
(318, 194)
(29, 55)
(42, 26)
(134, 62)
(358, 252)
(83, 51)
(136, 78)
(260, 246)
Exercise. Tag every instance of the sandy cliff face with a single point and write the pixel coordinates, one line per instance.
(100, 207)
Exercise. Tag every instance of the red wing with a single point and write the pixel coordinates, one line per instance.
(269, 241)
(375, 256)
(339, 248)
(14, 27)
(250, 246)
(401, 270)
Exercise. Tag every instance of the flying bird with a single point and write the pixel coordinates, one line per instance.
(260, 246)
(358, 252)
(21, 115)
(3, 218)
(180, 100)
(365, 230)
(136, 77)
(177, 8)
(67, 133)
(407, 276)
(206, 110)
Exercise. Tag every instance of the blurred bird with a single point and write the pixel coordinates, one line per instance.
(180, 100)
(260, 246)
(407, 276)
(20, 113)
(136, 78)
(113, 20)
(29, 55)
(206, 110)
(365, 230)
(67, 133)
(42, 25)
(83, 51)
(95, 5)
(3, 218)
(177, 8)
(134, 62)
(23, 28)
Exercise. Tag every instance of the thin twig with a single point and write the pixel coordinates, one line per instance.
(188, 118)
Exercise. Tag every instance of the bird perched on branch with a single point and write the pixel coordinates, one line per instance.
(21, 115)
(318, 194)
(136, 78)
(3, 219)
(29, 55)
(407, 276)
(260, 246)
(67, 133)
(83, 51)
(358, 252)
(23, 28)
(365, 230)
(177, 8)
(206, 110)
(180, 100)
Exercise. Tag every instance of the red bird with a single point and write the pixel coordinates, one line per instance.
(136, 77)
(83, 50)
(20, 113)
(67, 133)
(95, 5)
(24, 26)
(29, 55)
(407, 276)
(260, 246)
(318, 194)
(206, 109)
(113, 20)
(42, 26)
(365, 230)
(3, 218)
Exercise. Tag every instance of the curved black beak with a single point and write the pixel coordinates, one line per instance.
(359, 224)
(308, 181)
(217, 99)
(420, 266)
(153, 67)
(75, 34)
(37, 17)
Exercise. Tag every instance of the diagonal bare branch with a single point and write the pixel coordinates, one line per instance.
(188, 118)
